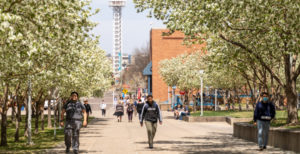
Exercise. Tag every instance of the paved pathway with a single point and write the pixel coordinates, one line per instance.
(107, 136)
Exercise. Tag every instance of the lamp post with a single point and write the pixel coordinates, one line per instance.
(201, 72)
(173, 96)
(216, 99)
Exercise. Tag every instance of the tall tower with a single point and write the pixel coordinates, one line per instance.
(117, 36)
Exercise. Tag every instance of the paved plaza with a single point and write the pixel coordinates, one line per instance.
(107, 136)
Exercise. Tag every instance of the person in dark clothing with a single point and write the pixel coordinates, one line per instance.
(74, 109)
(130, 109)
(263, 114)
(103, 108)
(135, 107)
(139, 107)
(150, 113)
(119, 111)
(88, 108)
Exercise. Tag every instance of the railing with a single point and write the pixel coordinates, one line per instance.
(115, 3)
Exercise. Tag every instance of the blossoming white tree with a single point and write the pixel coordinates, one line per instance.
(262, 32)
(49, 43)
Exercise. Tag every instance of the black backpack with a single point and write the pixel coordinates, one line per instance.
(130, 108)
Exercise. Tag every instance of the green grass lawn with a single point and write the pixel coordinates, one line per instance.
(43, 140)
(279, 121)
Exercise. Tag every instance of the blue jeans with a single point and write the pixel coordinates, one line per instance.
(181, 115)
(263, 132)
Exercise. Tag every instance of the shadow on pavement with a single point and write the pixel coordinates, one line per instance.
(214, 143)
(169, 117)
(86, 132)
(71, 151)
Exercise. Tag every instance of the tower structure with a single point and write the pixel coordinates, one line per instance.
(117, 36)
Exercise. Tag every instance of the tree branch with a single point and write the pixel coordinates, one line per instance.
(11, 5)
(256, 56)
(242, 29)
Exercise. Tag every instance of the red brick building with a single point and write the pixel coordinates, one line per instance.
(164, 47)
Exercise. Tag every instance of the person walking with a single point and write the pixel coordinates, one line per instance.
(74, 110)
(130, 109)
(119, 111)
(263, 114)
(135, 107)
(150, 113)
(103, 108)
(87, 108)
(139, 107)
(115, 102)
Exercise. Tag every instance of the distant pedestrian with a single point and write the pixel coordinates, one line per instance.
(115, 102)
(103, 108)
(135, 107)
(88, 108)
(150, 113)
(119, 111)
(139, 107)
(127, 101)
(130, 109)
(263, 114)
(143, 99)
(74, 109)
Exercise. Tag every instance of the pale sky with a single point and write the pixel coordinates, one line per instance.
(135, 26)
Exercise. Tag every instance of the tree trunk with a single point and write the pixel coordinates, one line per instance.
(13, 110)
(237, 93)
(37, 110)
(18, 113)
(292, 97)
(254, 92)
(195, 103)
(18, 119)
(42, 115)
(225, 97)
(26, 117)
(186, 98)
(49, 114)
(231, 100)
(251, 94)
(4, 117)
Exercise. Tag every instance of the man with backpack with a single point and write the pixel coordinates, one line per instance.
(74, 109)
(130, 109)
(150, 113)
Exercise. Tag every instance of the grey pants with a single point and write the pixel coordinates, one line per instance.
(72, 129)
(263, 132)
(151, 130)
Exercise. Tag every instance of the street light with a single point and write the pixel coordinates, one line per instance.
(201, 72)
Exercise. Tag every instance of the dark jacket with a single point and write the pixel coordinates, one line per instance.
(139, 107)
(264, 111)
(88, 108)
(151, 113)
(74, 110)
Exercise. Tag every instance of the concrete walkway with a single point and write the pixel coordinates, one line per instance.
(107, 136)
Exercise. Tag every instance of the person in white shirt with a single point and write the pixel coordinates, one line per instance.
(103, 108)
(143, 99)
(115, 102)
